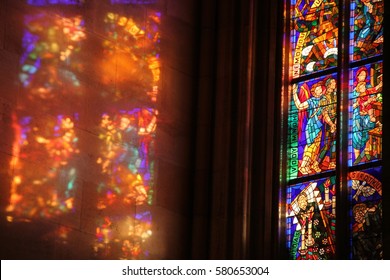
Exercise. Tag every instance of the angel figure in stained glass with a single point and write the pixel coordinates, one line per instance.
(314, 125)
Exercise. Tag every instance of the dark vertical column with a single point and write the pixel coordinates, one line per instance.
(386, 138)
(206, 52)
(266, 131)
(342, 202)
(223, 133)
(9, 66)
(222, 153)
(231, 138)
(175, 133)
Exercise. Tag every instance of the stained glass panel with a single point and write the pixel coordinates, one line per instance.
(366, 210)
(365, 116)
(366, 36)
(311, 219)
(314, 35)
(312, 127)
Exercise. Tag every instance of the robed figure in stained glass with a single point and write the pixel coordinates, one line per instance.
(314, 221)
(327, 156)
(311, 124)
(364, 119)
(368, 28)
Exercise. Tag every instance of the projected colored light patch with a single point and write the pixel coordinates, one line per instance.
(312, 121)
(44, 180)
(50, 58)
(366, 25)
(366, 202)
(311, 219)
(127, 158)
(132, 57)
(314, 35)
(45, 141)
(123, 237)
(365, 113)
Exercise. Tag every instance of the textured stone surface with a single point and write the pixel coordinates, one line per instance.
(72, 235)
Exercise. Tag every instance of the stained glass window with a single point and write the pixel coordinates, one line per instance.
(317, 125)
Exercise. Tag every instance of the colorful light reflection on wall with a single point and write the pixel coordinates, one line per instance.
(128, 134)
(50, 60)
(311, 221)
(127, 158)
(314, 35)
(132, 55)
(45, 145)
(44, 180)
(124, 237)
